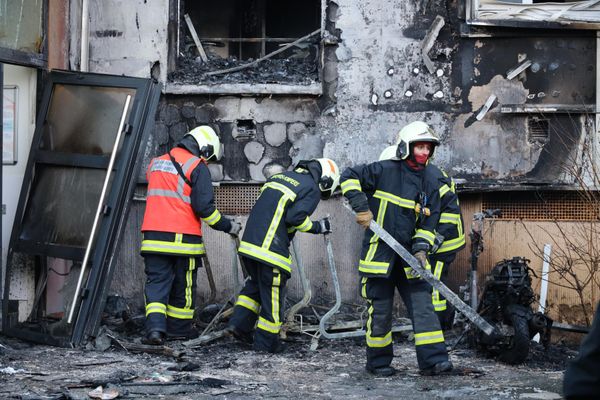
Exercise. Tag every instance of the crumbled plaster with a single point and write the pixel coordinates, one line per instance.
(275, 134)
(216, 172)
(295, 131)
(254, 151)
(256, 170)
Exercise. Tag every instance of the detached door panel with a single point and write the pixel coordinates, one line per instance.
(78, 128)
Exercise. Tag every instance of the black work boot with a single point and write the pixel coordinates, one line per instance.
(438, 369)
(155, 338)
(244, 337)
(381, 371)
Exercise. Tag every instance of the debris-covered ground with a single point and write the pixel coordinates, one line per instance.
(230, 370)
(288, 71)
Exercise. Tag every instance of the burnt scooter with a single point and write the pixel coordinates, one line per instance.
(505, 302)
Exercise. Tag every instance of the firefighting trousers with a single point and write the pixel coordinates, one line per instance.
(260, 305)
(170, 293)
(416, 294)
(439, 267)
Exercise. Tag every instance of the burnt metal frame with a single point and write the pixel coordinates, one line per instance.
(118, 202)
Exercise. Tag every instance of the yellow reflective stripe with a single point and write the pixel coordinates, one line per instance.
(373, 267)
(451, 244)
(375, 239)
(305, 225)
(159, 246)
(213, 218)
(363, 289)
(287, 192)
(268, 326)
(279, 211)
(379, 341)
(248, 303)
(399, 201)
(179, 238)
(291, 229)
(439, 305)
(275, 296)
(410, 273)
(450, 218)
(350, 184)
(156, 308)
(188, 282)
(424, 234)
(429, 338)
(443, 190)
(435, 294)
(180, 313)
(437, 271)
(266, 255)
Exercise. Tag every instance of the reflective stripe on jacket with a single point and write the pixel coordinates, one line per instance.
(168, 202)
(285, 203)
(451, 225)
(392, 190)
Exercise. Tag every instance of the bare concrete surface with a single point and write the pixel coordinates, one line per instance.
(229, 370)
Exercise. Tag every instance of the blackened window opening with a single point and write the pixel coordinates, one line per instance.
(235, 32)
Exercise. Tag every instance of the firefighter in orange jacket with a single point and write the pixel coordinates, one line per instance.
(179, 194)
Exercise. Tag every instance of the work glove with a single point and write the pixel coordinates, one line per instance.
(364, 218)
(235, 229)
(324, 226)
(421, 257)
(437, 242)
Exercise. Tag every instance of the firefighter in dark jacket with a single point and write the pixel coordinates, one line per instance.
(283, 208)
(401, 194)
(449, 237)
(582, 377)
(180, 194)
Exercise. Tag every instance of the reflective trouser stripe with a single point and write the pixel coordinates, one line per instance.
(156, 308)
(275, 296)
(379, 341)
(213, 218)
(188, 282)
(438, 304)
(180, 313)
(160, 246)
(249, 303)
(350, 184)
(268, 326)
(429, 338)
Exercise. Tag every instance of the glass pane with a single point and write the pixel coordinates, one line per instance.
(62, 205)
(84, 119)
(21, 25)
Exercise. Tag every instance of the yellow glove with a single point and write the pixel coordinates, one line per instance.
(364, 218)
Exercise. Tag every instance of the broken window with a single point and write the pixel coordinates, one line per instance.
(218, 35)
(75, 194)
(582, 14)
(21, 30)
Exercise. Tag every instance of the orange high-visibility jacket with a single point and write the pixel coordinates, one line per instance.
(168, 202)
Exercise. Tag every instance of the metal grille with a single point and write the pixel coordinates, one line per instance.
(545, 206)
(236, 199)
(537, 128)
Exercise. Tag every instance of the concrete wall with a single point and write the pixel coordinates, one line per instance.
(374, 81)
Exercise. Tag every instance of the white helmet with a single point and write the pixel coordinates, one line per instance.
(417, 131)
(330, 176)
(389, 153)
(211, 149)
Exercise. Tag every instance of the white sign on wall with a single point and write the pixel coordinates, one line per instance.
(9, 125)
